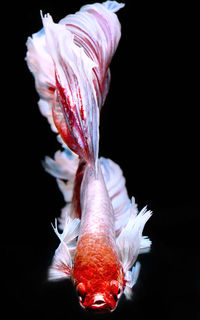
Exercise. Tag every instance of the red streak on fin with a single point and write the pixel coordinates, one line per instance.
(69, 125)
(61, 125)
(77, 187)
(81, 110)
(63, 268)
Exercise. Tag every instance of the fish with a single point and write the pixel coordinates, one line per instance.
(100, 228)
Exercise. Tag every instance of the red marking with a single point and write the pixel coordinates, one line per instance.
(63, 268)
(81, 109)
(69, 126)
(116, 194)
(77, 187)
(83, 41)
(94, 51)
(51, 89)
(61, 125)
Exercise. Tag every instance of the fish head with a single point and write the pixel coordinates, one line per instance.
(99, 297)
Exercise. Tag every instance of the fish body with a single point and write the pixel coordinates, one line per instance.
(96, 257)
(100, 228)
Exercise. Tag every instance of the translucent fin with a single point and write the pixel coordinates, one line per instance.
(130, 239)
(64, 167)
(145, 245)
(131, 279)
(63, 258)
(45, 107)
(61, 264)
(41, 65)
(113, 6)
(66, 188)
(75, 91)
(115, 183)
(70, 63)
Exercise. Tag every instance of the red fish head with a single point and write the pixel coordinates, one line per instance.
(101, 297)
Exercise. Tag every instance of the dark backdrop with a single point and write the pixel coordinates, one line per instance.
(149, 126)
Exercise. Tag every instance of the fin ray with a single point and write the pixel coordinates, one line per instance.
(115, 182)
(130, 239)
(64, 255)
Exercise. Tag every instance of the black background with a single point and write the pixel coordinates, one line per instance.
(149, 126)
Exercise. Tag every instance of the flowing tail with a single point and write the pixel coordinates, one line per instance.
(74, 79)
(75, 71)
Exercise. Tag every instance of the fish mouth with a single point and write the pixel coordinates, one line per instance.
(99, 308)
(99, 305)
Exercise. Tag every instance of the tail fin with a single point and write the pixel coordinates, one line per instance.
(75, 109)
(75, 76)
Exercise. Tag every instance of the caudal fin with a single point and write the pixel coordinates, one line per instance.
(75, 76)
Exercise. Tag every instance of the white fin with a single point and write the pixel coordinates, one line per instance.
(131, 279)
(113, 6)
(66, 212)
(66, 188)
(45, 108)
(145, 245)
(130, 239)
(64, 167)
(41, 65)
(60, 267)
(115, 183)
(63, 258)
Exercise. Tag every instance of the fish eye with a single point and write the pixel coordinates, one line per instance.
(81, 297)
(117, 295)
(81, 291)
(81, 288)
(116, 289)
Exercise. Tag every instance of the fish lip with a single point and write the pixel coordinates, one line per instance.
(99, 308)
(97, 305)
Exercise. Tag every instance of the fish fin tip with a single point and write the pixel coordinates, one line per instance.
(56, 273)
(131, 277)
(130, 241)
(61, 264)
(145, 245)
(113, 6)
(64, 255)
(116, 186)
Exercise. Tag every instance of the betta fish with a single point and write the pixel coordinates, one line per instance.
(100, 228)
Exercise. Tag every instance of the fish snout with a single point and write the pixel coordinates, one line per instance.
(99, 304)
(99, 300)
